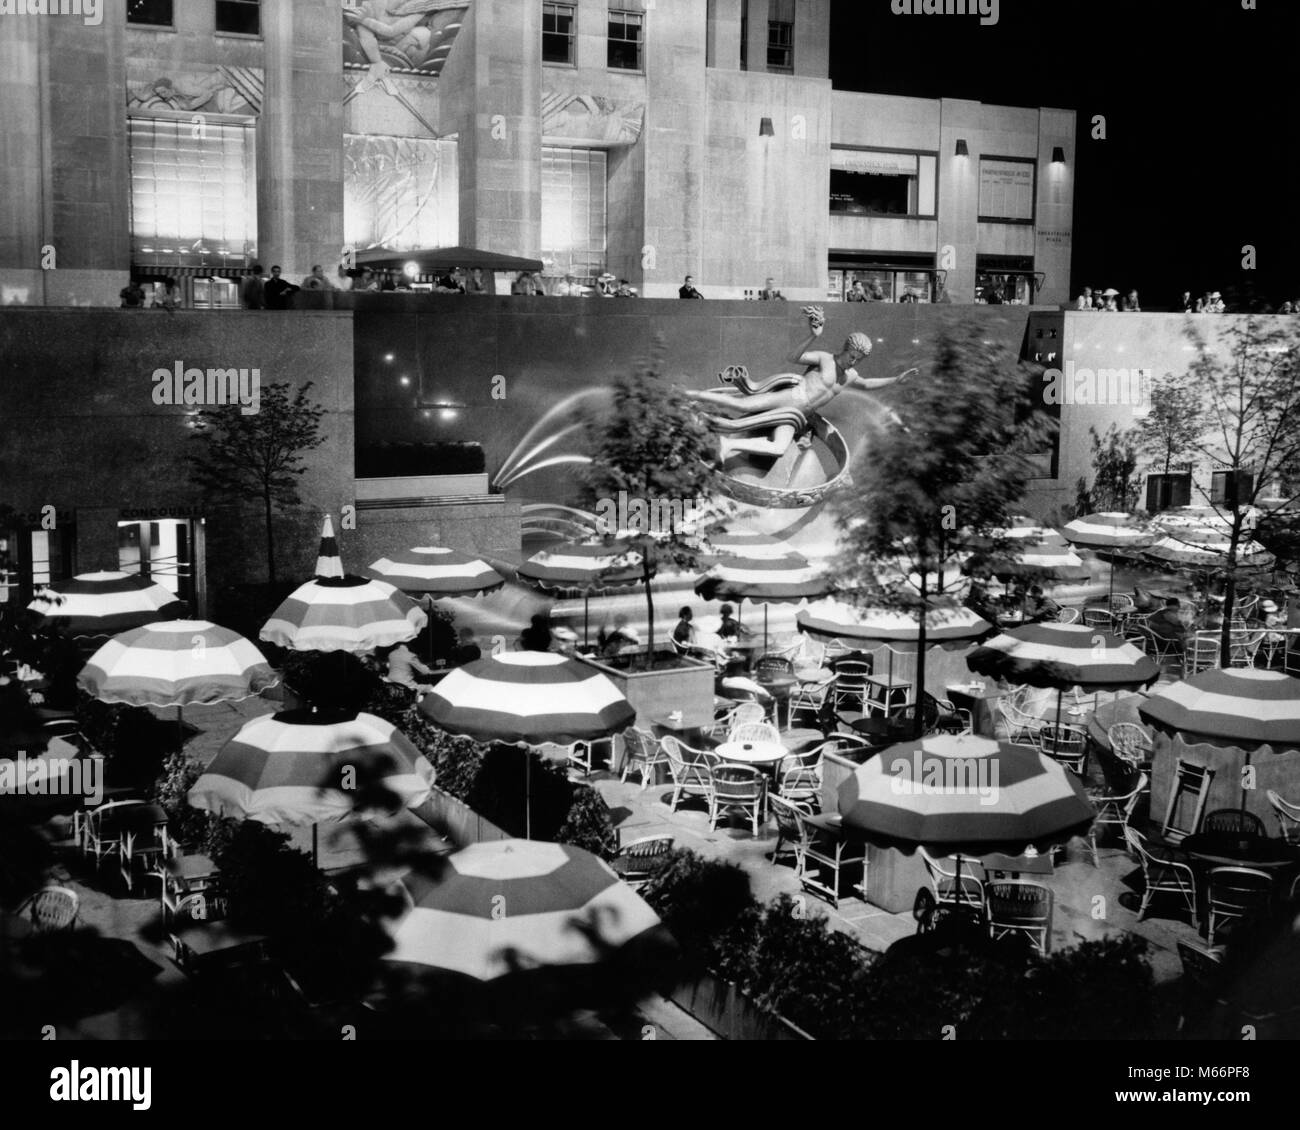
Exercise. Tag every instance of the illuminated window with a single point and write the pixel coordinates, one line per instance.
(573, 211)
(155, 13)
(626, 34)
(780, 36)
(400, 192)
(193, 191)
(239, 17)
(878, 182)
(557, 33)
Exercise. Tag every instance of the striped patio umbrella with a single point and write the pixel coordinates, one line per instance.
(963, 792)
(1206, 548)
(436, 572)
(508, 906)
(1037, 553)
(760, 569)
(328, 561)
(1108, 531)
(528, 698)
(338, 612)
(836, 620)
(176, 663)
(1064, 656)
(103, 604)
(344, 614)
(584, 568)
(1245, 707)
(289, 768)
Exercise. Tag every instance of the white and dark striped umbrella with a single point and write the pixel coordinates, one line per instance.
(1247, 707)
(344, 614)
(834, 619)
(1037, 552)
(176, 663)
(104, 604)
(1206, 548)
(961, 792)
(528, 698)
(583, 567)
(1064, 656)
(786, 579)
(1107, 531)
(290, 768)
(328, 561)
(437, 572)
(508, 906)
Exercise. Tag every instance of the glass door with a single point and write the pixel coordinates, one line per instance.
(163, 551)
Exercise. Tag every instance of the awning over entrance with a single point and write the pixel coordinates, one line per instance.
(444, 259)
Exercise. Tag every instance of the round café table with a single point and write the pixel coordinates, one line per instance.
(1208, 850)
(753, 753)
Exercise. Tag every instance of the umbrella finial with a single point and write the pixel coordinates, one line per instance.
(329, 563)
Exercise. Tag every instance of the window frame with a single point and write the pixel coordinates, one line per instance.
(639, 44)
(1155, 479)
(1033, 195)
(917, 153)
(254, 4)
(772, 25)
(149, 25)
(556, 7)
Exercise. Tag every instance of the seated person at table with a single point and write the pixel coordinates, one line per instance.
(1167, 624)
(613, 640)
(537, 637)
(403, 667)
(684, 633)
(1039, 607)
(466, 649)
(731, 629)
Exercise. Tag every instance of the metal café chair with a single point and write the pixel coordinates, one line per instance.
(1236, 894)
(1016, 907)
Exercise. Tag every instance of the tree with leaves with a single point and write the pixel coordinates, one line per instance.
(1250, 394)
(258, 456)
(943, 482)
(1114, 465)
(651, 442)
(1175, 421)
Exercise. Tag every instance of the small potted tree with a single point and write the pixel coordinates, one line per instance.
(652, 453)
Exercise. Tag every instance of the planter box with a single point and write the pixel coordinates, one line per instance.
(722, 1008)
(687, 686)
(444, 812)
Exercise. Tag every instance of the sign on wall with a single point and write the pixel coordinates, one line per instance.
(1006, 189)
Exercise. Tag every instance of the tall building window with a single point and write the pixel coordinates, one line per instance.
(193, 191)
(155, 13)
(239, 17)
(558, 33)
(573, 211)
(1231, 489)
(626, 34)
(780, 36)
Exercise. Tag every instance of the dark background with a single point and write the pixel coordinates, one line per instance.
(1202, 117)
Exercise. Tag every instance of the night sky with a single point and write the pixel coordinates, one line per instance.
(1202, 115)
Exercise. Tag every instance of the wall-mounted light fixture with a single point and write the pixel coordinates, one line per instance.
(411, 270)
(963, 150)
(765, 128)
(1058, 155)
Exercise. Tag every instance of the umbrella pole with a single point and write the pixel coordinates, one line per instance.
(765, 629)
(528, 794)
(586, 620)
(180, 729)
(315, 846)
